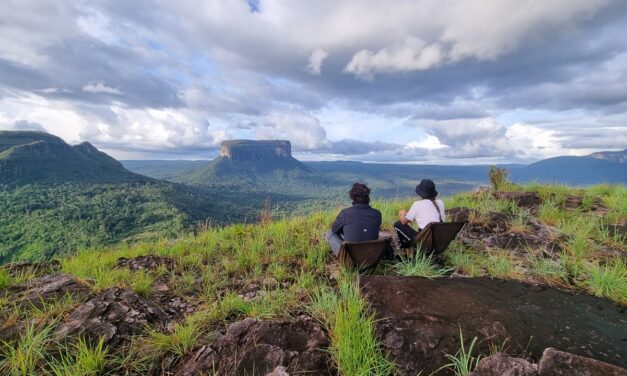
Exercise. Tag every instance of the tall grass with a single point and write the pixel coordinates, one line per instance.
(420, 265)
(26, 356)
(81, 359)
(5, 278)
(608, 281)
(354, 347)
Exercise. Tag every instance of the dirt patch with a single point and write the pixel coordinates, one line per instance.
(149, 262)
(527, 200)
(420, 319)
(252, 347)
(114, 315)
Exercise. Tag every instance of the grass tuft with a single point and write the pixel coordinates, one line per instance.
(25, 356)
(419, 266)
(608, 281)
(81, 359)
(354, 347)
(463, 362)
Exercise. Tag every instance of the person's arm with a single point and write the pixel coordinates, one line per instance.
(402, 216)
(407, 217)
(338, 224)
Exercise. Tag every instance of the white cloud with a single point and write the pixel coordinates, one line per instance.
(428, 143)
(530, 141)
(412, 54)
(302, 129)
(100, 87)
(315, 61)
(155, 130)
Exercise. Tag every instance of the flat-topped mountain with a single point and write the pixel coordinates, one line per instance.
(249, 150)
(248, 161)
(38, 157)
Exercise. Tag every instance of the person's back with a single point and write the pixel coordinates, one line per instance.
(357, 223)
(426, 211)
(422, 212)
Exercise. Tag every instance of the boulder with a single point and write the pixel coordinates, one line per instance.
(558, 363)
(114, 314)
(501, 364)
(525, 200)
(419, 320)
(253, 347)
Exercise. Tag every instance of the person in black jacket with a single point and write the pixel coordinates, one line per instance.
(357, 223)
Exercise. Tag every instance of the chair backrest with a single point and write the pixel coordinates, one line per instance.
(436, 237)
(362, 255)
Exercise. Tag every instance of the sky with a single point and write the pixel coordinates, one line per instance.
(417, 81)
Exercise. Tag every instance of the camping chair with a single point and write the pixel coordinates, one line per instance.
(363, 256)
(435, 238)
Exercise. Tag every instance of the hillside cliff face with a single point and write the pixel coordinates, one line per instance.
(249, 150)
(38, 157)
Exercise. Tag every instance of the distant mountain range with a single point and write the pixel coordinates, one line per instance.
(55, 198)
(573, 170)
(27, 157)
(612, 156)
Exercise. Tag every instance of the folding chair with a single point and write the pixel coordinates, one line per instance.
(363, 256)
(436, 237)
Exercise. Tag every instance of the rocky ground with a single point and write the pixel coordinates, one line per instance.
(517, 323)
(420, 320)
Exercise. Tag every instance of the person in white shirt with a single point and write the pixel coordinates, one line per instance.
(422, 212)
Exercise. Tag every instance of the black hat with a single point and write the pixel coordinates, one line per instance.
(426, 189)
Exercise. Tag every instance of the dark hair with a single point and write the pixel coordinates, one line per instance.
(360, 194)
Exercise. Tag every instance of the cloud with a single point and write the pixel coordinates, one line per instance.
(99, 87)
(469, 138)
(507, 74)
(315, 61)
(302, 129)
(25, 125)
(413, 54)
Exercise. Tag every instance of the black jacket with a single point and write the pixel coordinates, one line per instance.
(358, 223)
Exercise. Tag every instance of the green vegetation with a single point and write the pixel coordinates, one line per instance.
(281, 268)
(419, 266)
(463, 362)
(24, 356)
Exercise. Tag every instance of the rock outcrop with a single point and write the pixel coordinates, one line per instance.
(251, 150)
(252, 347)
(113, 315)
(419, 320)
(553, 363)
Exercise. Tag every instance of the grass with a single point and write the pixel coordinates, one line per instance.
(463, 362)
(608, 281)
(5, 278)
(419, 266)
(182, 339)
(354, 348)
(81, 359)
(500, 265)
(26, 356)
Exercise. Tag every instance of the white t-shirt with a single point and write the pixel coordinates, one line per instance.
(424, 212)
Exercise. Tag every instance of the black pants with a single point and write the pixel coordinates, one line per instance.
(406, 234)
